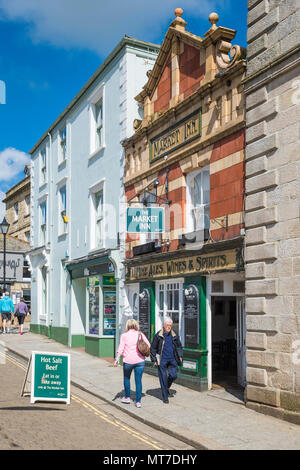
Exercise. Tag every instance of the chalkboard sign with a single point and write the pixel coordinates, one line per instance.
(191, 315)
(144, 312)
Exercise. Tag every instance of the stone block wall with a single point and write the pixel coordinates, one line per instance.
(272, 205)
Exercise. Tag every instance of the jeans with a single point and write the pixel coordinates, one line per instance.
(167, 373)
(138, 372)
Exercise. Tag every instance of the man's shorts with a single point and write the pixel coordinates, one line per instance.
(6, 316)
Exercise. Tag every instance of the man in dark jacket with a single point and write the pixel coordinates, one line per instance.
(166, 353)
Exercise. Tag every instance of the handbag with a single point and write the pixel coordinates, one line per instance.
(143, 347)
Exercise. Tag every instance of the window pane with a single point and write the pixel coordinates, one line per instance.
(98, 233)
(176, 300)
(93, 310)
(206, 187)
(197, 190)
(161, 300)
(99, 203)
(63, 195)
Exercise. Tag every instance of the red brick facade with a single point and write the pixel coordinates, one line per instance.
(164, 89)
(191, 73)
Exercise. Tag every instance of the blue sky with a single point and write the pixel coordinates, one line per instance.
(50, 48)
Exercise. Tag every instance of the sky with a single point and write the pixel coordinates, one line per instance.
(50, 48)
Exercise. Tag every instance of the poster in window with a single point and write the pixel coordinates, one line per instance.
(144, 312)
(191, 315)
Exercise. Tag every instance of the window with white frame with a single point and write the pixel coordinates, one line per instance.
(62, 210)
(43, 222)
(27, 205)
(97, 232)
(99, 124)
(97, 120)
(16, 210)
(170, 294)
(27, 237)
(198, 199)
(43, 157)
(62, 144)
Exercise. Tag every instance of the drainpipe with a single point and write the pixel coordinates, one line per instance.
(50, 241)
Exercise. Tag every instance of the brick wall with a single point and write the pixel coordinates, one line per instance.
(227, 185)
(191, 72)
(164, 89)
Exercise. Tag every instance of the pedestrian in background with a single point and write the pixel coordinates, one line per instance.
(21, 311)
(6, 309)
(166, 353)
(132, 359)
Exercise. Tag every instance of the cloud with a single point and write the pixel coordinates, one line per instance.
(2, 206)
(98, 25)
(12, 162)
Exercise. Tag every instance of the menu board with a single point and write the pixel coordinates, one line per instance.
(191, 315)
(109, 313)
(144, 312)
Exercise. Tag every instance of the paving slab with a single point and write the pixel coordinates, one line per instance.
(216, 419)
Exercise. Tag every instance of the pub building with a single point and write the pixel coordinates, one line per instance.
(184, 186)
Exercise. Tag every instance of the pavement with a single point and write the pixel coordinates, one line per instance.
(213, 420)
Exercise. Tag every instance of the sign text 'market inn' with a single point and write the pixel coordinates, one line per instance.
(169, 141)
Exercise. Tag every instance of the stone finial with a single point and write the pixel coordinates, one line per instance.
(178, 12)
(179, 22)
(213, 19)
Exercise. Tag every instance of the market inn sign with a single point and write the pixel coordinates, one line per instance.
(208, 263)
(185, 131)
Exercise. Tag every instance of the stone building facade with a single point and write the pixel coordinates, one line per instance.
(17, 210)
(272, 206)
(187, 157)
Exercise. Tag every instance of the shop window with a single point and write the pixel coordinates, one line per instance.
(109, 307)
(169, 294)
(93, 299)
(198, 201)
(102, 306)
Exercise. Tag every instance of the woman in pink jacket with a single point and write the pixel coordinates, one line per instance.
(132, 360)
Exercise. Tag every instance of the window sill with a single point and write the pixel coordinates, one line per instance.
(96, 152)
(62, 163)
(42, 186)
(62, 235)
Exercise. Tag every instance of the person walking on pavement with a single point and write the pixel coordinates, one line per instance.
(21, 311)
(6, 309)
(166, 353)
(132, 360)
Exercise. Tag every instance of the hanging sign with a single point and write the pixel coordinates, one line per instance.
(50, 377)
(145, 219)
(191, 315)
